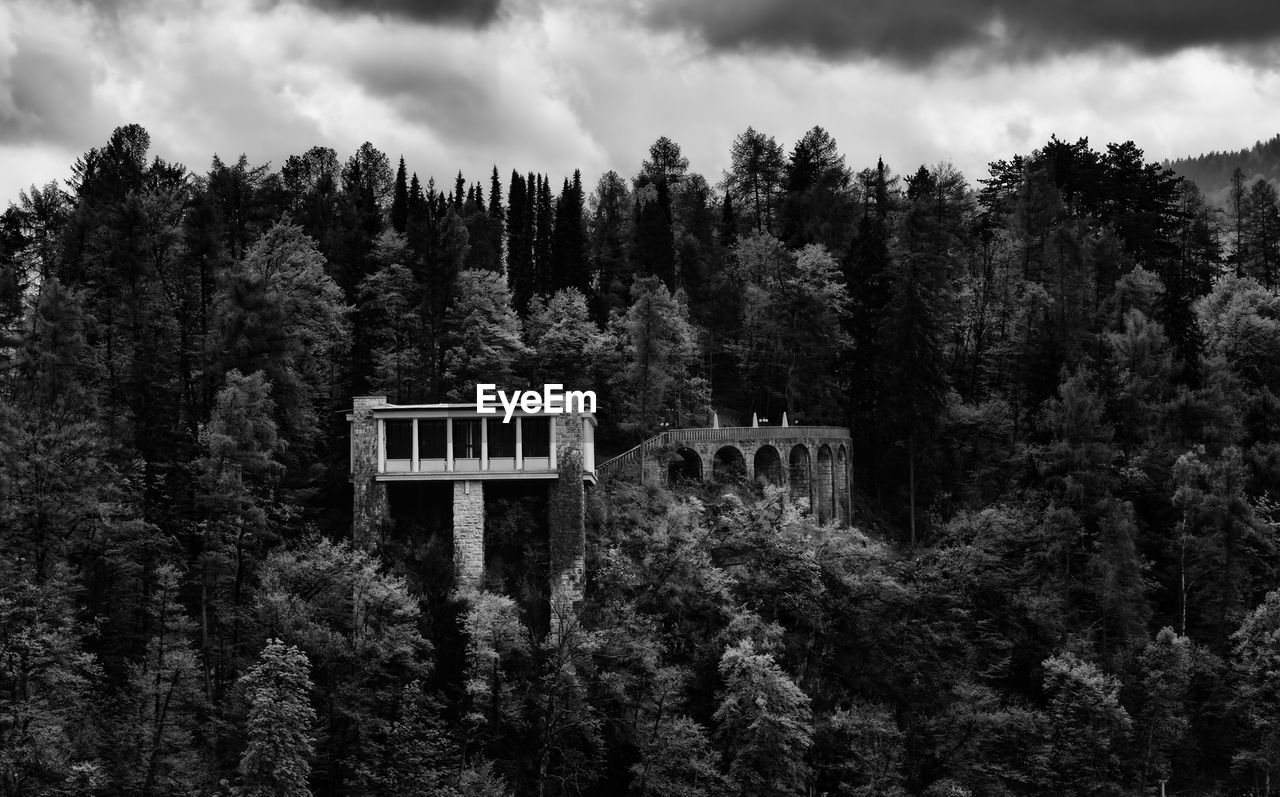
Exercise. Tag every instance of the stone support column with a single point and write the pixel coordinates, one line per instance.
(370, 511)
(566, 507)
(468, 533)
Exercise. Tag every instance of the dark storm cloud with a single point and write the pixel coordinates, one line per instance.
(917, 31)
(465, 12)
(45, 94)
(464, 104)
(441, 95)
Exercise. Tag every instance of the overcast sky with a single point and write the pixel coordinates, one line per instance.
(553, 85)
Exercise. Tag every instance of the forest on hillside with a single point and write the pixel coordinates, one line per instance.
(1062, 379)
(1214, 173)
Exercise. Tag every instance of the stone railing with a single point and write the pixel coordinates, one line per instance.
(635, 456)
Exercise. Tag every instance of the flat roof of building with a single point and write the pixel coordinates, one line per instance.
(454, 410)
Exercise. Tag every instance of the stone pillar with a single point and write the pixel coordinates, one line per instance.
(371, 513)
(468, 533)
(566, 508)
(824, 486)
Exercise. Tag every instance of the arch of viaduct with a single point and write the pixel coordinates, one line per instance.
(812, 460)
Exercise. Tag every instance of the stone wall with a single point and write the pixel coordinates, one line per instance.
(468, 533)
(566, 509)
(371, 513)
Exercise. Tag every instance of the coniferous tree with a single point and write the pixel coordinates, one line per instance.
(246, 200)
(1217, 534)
(497, 650)
(728, 228)
(610, 239)
(755, 177)
(1085, 729)
(124, 248)
(564, 344)
(868, 276)
(1187, 276)
(495, 196)
(367, 177)
(658, 383)
(441, 246)
(790, 338)
(416, 199)
(48, 695)
(283, 315)
(29, 250)
(400, 200)
(915, 382)
(1238, 220)
(654, 251)
(484, 233)
(519, 246)
(569, 726)
(666, 163)
(483, 336)
(498, 221)
(277, 758)
(166, 697)
(417, 756)
(817, 204)
(530, 233)
(367, 190)
(870, 746)
(312, 182)
(1161, 722)
(699, 258)
(1256, 649)
(546, 280)
(570, 267)
(234, 479)
(1142, 359)
(56, 484)
(392, 303)
(1262, 240)
(358, 626)
(763, 721)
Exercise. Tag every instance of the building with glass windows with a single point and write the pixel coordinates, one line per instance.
(453, 442)
(456, 443)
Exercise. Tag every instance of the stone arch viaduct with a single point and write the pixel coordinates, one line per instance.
(812, 460)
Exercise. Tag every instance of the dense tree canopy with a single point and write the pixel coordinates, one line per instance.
(1062, 380)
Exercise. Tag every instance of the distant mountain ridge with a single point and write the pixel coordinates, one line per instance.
(1212, 171)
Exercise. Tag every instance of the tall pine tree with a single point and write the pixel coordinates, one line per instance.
(400, 200)
(570, 267)
(519, 246)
